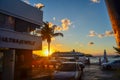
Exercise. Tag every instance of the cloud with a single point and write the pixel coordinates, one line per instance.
(54, 18)
(105, 34)
(92, 33)
(109, 33)
(51, 24)
(65, 24)
(39, 5)
(101, 35)
(26, 1)
(58, 28)
(91, 43)
(95, 1)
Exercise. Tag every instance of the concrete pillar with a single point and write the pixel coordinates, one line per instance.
(8, 64)
(23, 64)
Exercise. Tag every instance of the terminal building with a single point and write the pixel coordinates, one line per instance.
(113, 7)
(17, 21)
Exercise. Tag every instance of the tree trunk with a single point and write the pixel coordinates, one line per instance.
(48, 48)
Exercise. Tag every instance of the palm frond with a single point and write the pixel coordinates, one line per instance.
(58, 34)
(117, 49)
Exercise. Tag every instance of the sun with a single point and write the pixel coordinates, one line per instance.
(46, 53)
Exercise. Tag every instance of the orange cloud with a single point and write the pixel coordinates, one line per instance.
(58, 28)
(51, 24)
(39, 5)
(65, 24)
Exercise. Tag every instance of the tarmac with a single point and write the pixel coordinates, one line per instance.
(94, 72)
(91, 72)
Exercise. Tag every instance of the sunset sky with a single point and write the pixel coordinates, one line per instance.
(84, 23)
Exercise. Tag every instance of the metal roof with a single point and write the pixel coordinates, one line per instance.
(21, 10)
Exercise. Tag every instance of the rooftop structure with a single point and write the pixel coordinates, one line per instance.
(21, 10)
(113, 7)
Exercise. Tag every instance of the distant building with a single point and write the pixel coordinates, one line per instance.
(17, 20)
(72, 56)
(105, 59)
(113, 7)
(67, 54)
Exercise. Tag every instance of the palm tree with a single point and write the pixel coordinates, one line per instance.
(117, 50)
(48, 32)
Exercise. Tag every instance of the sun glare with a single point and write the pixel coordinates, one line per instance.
(46, 53)
(43, 52)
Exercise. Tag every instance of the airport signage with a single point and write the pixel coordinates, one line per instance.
(19, 40)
